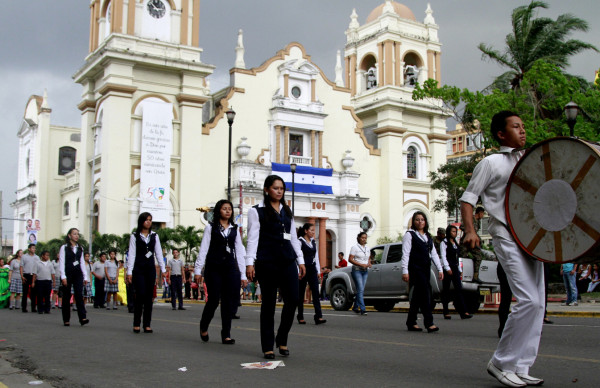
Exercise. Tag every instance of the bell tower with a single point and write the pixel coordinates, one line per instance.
(144, 86)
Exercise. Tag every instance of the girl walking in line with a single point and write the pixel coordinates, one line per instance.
(306, 235)
(144, 252)
(449, 253)
(73, 276)
(417, 253)
(222, 255)
(273, 243)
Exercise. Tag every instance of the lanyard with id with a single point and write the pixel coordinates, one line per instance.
(286, 236)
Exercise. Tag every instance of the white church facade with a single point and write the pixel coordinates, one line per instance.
(154, 137)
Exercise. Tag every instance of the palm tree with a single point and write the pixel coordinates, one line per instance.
(533, 38)
(191, 237)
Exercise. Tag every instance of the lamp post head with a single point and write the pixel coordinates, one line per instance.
(230, 115)
(571, 111)
(293, 167)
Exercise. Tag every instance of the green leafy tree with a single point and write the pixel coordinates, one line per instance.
(451, 178)
(533, 38)
(53, 246)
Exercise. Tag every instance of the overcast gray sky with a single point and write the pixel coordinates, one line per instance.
(44, 42)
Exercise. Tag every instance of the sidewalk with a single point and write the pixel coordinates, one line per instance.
(585, 309)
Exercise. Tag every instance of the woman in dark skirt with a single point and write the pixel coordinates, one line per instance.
(306, 235)
(417, 253)
(273, 242)
(73, 276)
(222, 255)
(144, 252)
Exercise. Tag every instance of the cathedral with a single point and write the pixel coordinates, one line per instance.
(154, 137)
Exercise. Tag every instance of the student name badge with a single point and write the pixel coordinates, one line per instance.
(149, 255)
(75, 263)
(287, 236)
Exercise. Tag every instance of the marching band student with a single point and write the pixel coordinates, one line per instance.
(306, 235)
(449, 253)
(273, 242)
(417, 253)
(144, 251)
(43, 277)
(518, 346)
(72, 274)
(14, 278)
(222, 257)
(111, 282)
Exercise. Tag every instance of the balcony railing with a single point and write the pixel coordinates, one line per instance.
(307, 161)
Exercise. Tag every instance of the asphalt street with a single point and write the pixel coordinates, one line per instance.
(348, 351)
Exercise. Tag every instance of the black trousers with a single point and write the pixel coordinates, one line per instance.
(143, 280)
(44, 289)
(312, 279)
(188, 289)
(273, 274)
(99, 296)
(74, 280)
(459, 301)
(32, 293)
(130, 297)
(222, 284)
(176, 290)
(505, 298)
(421, 297)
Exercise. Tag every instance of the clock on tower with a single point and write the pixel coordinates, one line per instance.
(156, 8)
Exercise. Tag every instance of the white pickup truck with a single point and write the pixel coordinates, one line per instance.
(385, 287)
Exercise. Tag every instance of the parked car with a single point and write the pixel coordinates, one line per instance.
(385, 287)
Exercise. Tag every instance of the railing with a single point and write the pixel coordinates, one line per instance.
(307, 161)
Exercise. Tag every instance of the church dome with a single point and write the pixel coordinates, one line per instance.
(400, 9)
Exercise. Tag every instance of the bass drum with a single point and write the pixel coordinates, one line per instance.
(553, 201)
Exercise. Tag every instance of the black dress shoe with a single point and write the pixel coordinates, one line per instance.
(447, 316)
(181, 308)
(301, 321)
(67, 323)
(235, 317)
(269, 356)
(466, 316)
(432, 329)
(229, 341)
(547, 321)
(84, 321)
(320, 321)
(148, 330)
(284, 352)
(414, 328)
(136, 330)
(204, 338)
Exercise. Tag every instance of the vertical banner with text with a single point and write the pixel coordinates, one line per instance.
(155, 174)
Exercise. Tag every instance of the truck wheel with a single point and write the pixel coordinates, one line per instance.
(472, 302)
(339, 299)
(384, 306)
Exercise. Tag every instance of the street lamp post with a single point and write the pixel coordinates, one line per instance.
(230, 116)
(293, 168)
(95, 128)
(571, 111)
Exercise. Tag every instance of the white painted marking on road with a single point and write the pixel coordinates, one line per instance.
(555, 325)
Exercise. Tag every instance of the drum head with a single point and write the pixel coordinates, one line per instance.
(553, 200)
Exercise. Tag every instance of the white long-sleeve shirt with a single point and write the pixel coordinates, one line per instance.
(240, 251)
(254, 233)
(317, 261)
(61, 263)
(407, 246)
(157, 252)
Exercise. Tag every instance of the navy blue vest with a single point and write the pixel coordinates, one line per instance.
(451, 254)
(142, 262)
(309, 252)
(271, 244)
(72, 269)
(217, 252)
(420, 251)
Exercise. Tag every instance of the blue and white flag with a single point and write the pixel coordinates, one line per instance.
(307, 179)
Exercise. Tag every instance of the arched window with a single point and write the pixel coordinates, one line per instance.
(66, 160)
(411, 162)
(66, 208)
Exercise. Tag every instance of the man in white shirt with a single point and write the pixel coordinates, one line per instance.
(518, 346)
(175, 268)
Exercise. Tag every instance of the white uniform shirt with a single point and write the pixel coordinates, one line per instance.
(98, 270)
(29, 262)
(361, 254)
(489, 181)
(407, 246)
(111, 268)
(44, 270)
(240, 251)
(15, 266)
(254, 233)
(158, 255)
(176, 266)
(61, 263)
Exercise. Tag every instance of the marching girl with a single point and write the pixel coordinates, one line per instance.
(306, 235)
(222, 257)
(73, 275)
(449, 253)
(144, 251)
(14, 278)
(417, 253)
(273, 242)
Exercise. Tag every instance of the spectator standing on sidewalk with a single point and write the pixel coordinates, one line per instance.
(342, 263)
(175, 272)
(99, 279)
(568, 271)
(28, 263)
(584, 278)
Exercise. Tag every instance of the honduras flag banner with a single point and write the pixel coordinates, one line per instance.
(307, 179)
